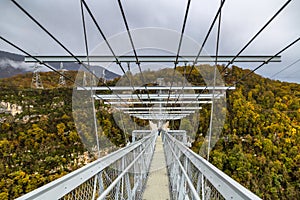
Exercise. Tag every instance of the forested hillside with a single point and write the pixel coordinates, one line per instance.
(259, 146)
(38, 145)
(41, 143)
(49, 79)
(260, 143)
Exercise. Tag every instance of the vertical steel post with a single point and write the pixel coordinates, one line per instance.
(202, 187)
(95, 187)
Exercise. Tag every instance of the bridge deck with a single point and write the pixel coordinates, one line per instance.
(157, 186)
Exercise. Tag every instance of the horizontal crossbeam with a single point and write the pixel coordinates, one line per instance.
(159, 108)
(161, 118)
(161, 112)
(156, 96)
(129, 88)
(176, 131)
(142, 131)
(154, 59)
(156, 102)
(160, 115)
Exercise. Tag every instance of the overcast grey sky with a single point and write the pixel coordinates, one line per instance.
(241, 19)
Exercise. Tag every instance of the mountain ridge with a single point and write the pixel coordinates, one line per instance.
(12, 64)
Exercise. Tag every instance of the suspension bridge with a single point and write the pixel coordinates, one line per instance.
(158, 163)
(137, 172)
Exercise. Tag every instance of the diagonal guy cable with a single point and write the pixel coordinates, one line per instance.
(218, 15)
(133, 48)
(206, 37)
(285, 68)
(52, 36)
(41, 62)
(253, 38)
(217, 53)
(87, 49)
(102, 34)
(214, 85)
(55, 39)
(179, 45)
(267, 61)
(106, 41)
(91, 91)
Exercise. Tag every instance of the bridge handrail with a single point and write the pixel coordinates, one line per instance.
(189, 182)
(64, 185)
(225, 185)
(114, 183)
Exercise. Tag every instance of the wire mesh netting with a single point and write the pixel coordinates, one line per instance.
(123, 178)
(186, 179)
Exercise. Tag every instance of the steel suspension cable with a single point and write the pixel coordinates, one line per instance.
(179, 45)
(264, 63)
(84, 33)
(252, 39)
(206, 37)
(92, 92)
(217, 16)
(52, 36)
(41, 62)
(285, 68)
(45, 64)
(106, 41)
(56, 40)
(182, 31)
(267, 61)
(258, 33)
(217, 54)
(204, 42)
(214, 85)
(133, 47)
(87, 51)
(103, 35)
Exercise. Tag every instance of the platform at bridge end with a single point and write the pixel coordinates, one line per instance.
(157, 186)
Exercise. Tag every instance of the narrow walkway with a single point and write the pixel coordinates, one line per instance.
(157, 186)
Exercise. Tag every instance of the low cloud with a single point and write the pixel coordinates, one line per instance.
(28, 67)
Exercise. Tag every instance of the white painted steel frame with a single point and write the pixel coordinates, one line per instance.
(226, 186)
(155, 96)
(163, 116)
(154, 58)
(133, 88)
(181, 157)
(158, 108)
(126, 169)
(195, 102)
(159, 112)
(64, 185)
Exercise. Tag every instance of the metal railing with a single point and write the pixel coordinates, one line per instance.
(123, 175)
(193, 177)
(120, 175)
